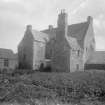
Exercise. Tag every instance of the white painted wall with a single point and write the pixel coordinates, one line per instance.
(38, 54)
(88, 42)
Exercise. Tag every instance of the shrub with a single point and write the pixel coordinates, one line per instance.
(65, 87)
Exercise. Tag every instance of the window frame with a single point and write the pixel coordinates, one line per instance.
(6, 62)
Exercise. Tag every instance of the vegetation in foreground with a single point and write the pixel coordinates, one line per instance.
(77, 87)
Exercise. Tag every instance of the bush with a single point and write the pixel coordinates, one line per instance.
(77, 86)
(65, 87)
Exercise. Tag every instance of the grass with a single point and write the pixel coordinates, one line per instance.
(58, 87)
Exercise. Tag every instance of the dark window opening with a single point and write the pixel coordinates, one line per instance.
(6, 62)
(86, 49)
(77, 66)
(78, 52)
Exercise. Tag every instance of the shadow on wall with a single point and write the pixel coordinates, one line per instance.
(45, 69)
(24, 66)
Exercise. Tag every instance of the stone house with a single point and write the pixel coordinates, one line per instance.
(65, 48)
(8, 60)
(31, 49)
(70, 46)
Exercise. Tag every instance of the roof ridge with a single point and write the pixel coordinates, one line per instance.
(10, 50)
(78, 23)
(86, 28)
(40, 36)
(78, 31)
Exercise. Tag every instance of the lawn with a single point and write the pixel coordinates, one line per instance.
(55, 87)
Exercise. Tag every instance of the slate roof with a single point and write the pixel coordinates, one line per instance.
(37, 35)
(48, 31)
(7, 53)
(40, 36)
(73, 43)
(77, 31)
(79, 28)
(51, 33)
(98, 57)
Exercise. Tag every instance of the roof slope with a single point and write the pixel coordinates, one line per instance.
(51, 33)
(39, 36)
(77, 28)
(77, 31)
(7, 53)
(73, 43)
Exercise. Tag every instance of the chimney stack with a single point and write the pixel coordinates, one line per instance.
(29, 28)
(90, 19)
(50, 27)
(62, 19)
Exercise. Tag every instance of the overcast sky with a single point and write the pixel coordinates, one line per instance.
(16, 14)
